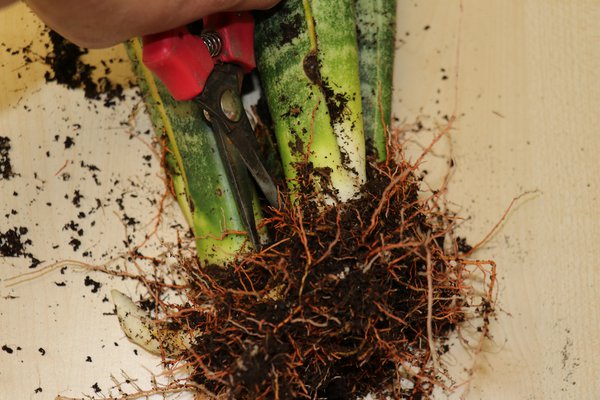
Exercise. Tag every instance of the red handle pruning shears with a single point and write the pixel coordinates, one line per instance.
(209, 68)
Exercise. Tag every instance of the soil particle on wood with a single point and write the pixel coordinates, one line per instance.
(67, 68)
(77, 196)
(69, 142)
(75, 244)
(13, 243)
(95, 285)
(7, 349)
(96, 388)
(6, 169)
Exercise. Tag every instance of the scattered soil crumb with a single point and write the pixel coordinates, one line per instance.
(6, 170)
(94, 284)
(14, 244)
(67, 68)
(7, 349)
(69, 142)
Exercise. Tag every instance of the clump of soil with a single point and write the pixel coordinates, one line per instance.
(346, 301)
(67, 68)
(13, 243)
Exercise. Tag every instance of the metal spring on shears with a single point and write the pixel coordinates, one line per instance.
(213, 42)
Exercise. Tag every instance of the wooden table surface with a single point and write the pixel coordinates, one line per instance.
(520, 76)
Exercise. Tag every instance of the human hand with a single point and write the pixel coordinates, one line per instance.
(103, 23)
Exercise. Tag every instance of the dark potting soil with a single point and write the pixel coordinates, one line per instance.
(6, 169)
(14, 243)
(67, 68)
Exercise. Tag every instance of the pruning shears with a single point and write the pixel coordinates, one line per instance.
(208, 66)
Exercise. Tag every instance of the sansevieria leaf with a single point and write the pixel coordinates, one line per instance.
(307, 57)
(376, 27)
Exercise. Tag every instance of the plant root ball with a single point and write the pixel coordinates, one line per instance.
(347, 300)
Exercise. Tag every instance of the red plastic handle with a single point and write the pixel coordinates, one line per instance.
(180, 60)
(183, 62)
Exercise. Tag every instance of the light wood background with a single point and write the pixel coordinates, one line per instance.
(521, 76)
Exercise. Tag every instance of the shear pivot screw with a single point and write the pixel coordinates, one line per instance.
(231, 105)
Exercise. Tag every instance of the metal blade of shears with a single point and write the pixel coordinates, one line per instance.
(246, 147)
(240, 182)
(221, 99)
